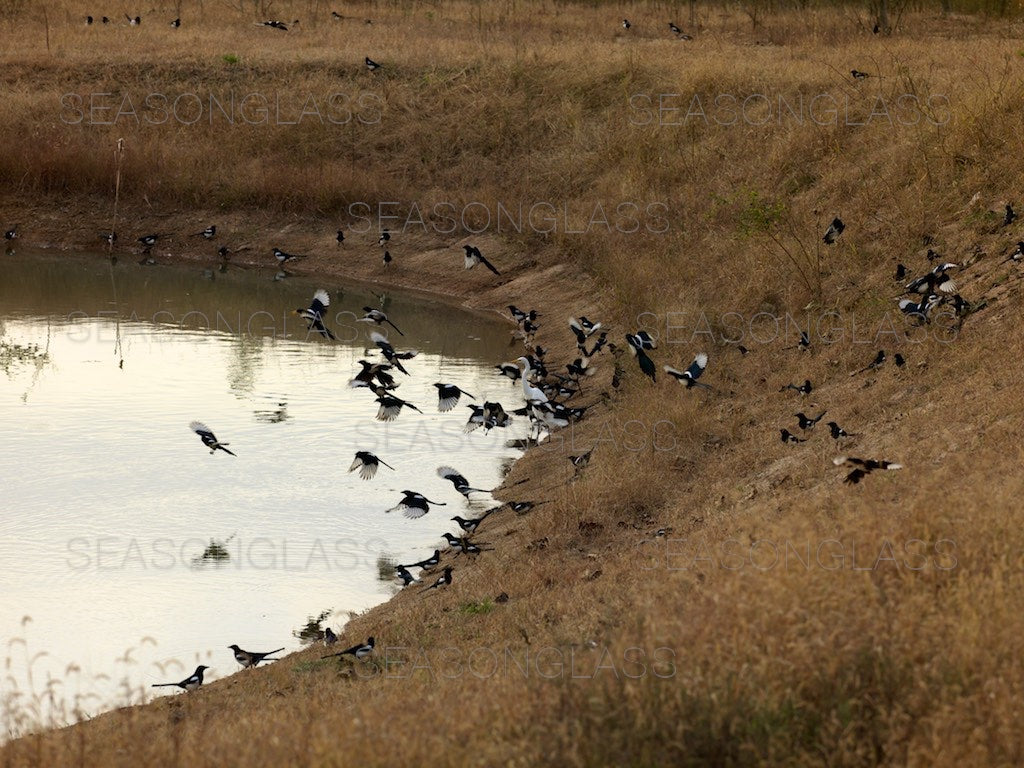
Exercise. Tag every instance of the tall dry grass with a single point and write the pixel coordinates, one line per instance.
(890, 632)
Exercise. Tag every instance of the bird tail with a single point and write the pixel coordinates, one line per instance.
(165, 685)
(395, 327)
(221, 446)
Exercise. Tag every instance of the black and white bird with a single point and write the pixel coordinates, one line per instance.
(190, 683)
(367, 463)
(370, 371)
(936, 280)
(330, 638)
(678, 32)
(837, 432)
(371, 65)
(394, 357)
(637, 344)
(108, 237)
(276, 25)
(470, 525)
(426, 564)
(474, 257)
(877, 362)
(148, 241)
(922, 308)
(899, 360)
(835, 229)
(1009, 216)
(443, 580)
(448, 396)
(509, 370)
(391, 406)
(788, 437)
(1016, 255)
(523, 507)
(414, 505)
(581, 461)
(386, 258)
(340, 237)
(377, 317)
(901, 272)
(688, 378)
(360, 651)
(862, 467)
(858, 75)
(176, 23)
(283, 258)
(316, 312)
(207, 234)
(520, 316)
(489, 415)
(806, 422)
(626, 24)
(251, 658)
(208, 438)
(384, 239)
(133, 21)
(402, 574)
(461, 483)
(11, 233)
(804, 389)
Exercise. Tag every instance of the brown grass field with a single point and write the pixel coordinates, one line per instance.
(787, 618)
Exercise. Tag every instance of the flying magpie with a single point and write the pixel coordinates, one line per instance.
(835, 229)
(367, 463)
(520, 316)
(208, 438)
(391, 406)
(315, 313)
(937, 279)
(461, 484)
(360, 651)
(689, 377)
(862, 467)
(190, 683)
(448, 396)
(371, 371)
(393, 357)
(250, 658)
(377, 317)
(414, 505)
(474, 257)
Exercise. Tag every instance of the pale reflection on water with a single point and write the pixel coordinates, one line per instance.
(108, 498)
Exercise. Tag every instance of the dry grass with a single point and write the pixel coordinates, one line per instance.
(862, 660)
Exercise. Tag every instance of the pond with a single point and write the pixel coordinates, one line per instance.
(110, 501)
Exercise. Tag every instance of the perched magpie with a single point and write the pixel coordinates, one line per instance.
(689, 377)
(336, 16)
(414, 505)
(88, 19)
(520, 316)
(788, 437)
(838, 432)
(678, 32)
(385, 236)
(11, 233)
(857, 75)
(442, 581)
(207, 234)
(523, 507)
(208, 438)
(360, 651)
(366, 463)
(835, 229)
(862, 467)
(626, 24)
(276, 25)
(898, 359)
(373, 66)
(386, 258)
(921, 308)
(461, 483)
(466, 547)
(448, 396)
(329, 637)
(875, 363)
(377, 317)
(250, 658)
(105, 20)
(469, 526)
(391, 406)
(148, 241)
(176, 23)
(108, 237)
(315, 313)
(1009, 216)
(429, 563)
(474, 257)
(1016, 255)
(807, 423)
(134, 22)
(901, 272)
(190, 683)
(803, 389)
(581, 461)
(403, 575)
(283, 258)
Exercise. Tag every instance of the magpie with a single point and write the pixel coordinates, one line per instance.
(937, 279)
(835, 229)
(530, 391)
(523, 507)
(373, 66)
(901, 272)
(371, 371)
(857, 75)
(520, 316)
(276, 25)
(393, 357)
(921, 308)
(208, 438)
(474, 257)
(636, 346)
(1017, 255)
(689, 377)
(190, 683)
(366, 463)
(386, 258)
(461, 483)
(876, 363)
(442, 581)
(448, 396)
(207, 234)
(602, 341)
(862, 467)
(875, 29)
(315, 313)
(148, 241)
(509, 370)
(403, 575)
(932, 255)
(385, 236)
(470, 526)
(283, 258)
(377, 317)
(329, 637)
(105, 20)
(678, 32)
(176, 23)
(391, 406)
(961, 307)
(489, 415)
(806, 422)
(133, 22)
(452, 539)
(641, 340)
(838, 432)
(788, 437)
(414, 505)
(577, 369)
(626, 24)
(360, 651)
(899, 360)
(427, 564)
(581, 461)
(336, 16)
(250, 658)
(88, 20)
(1009, 216)
(108, 237)
(11, 233)
(467, 547)
(803, 389)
